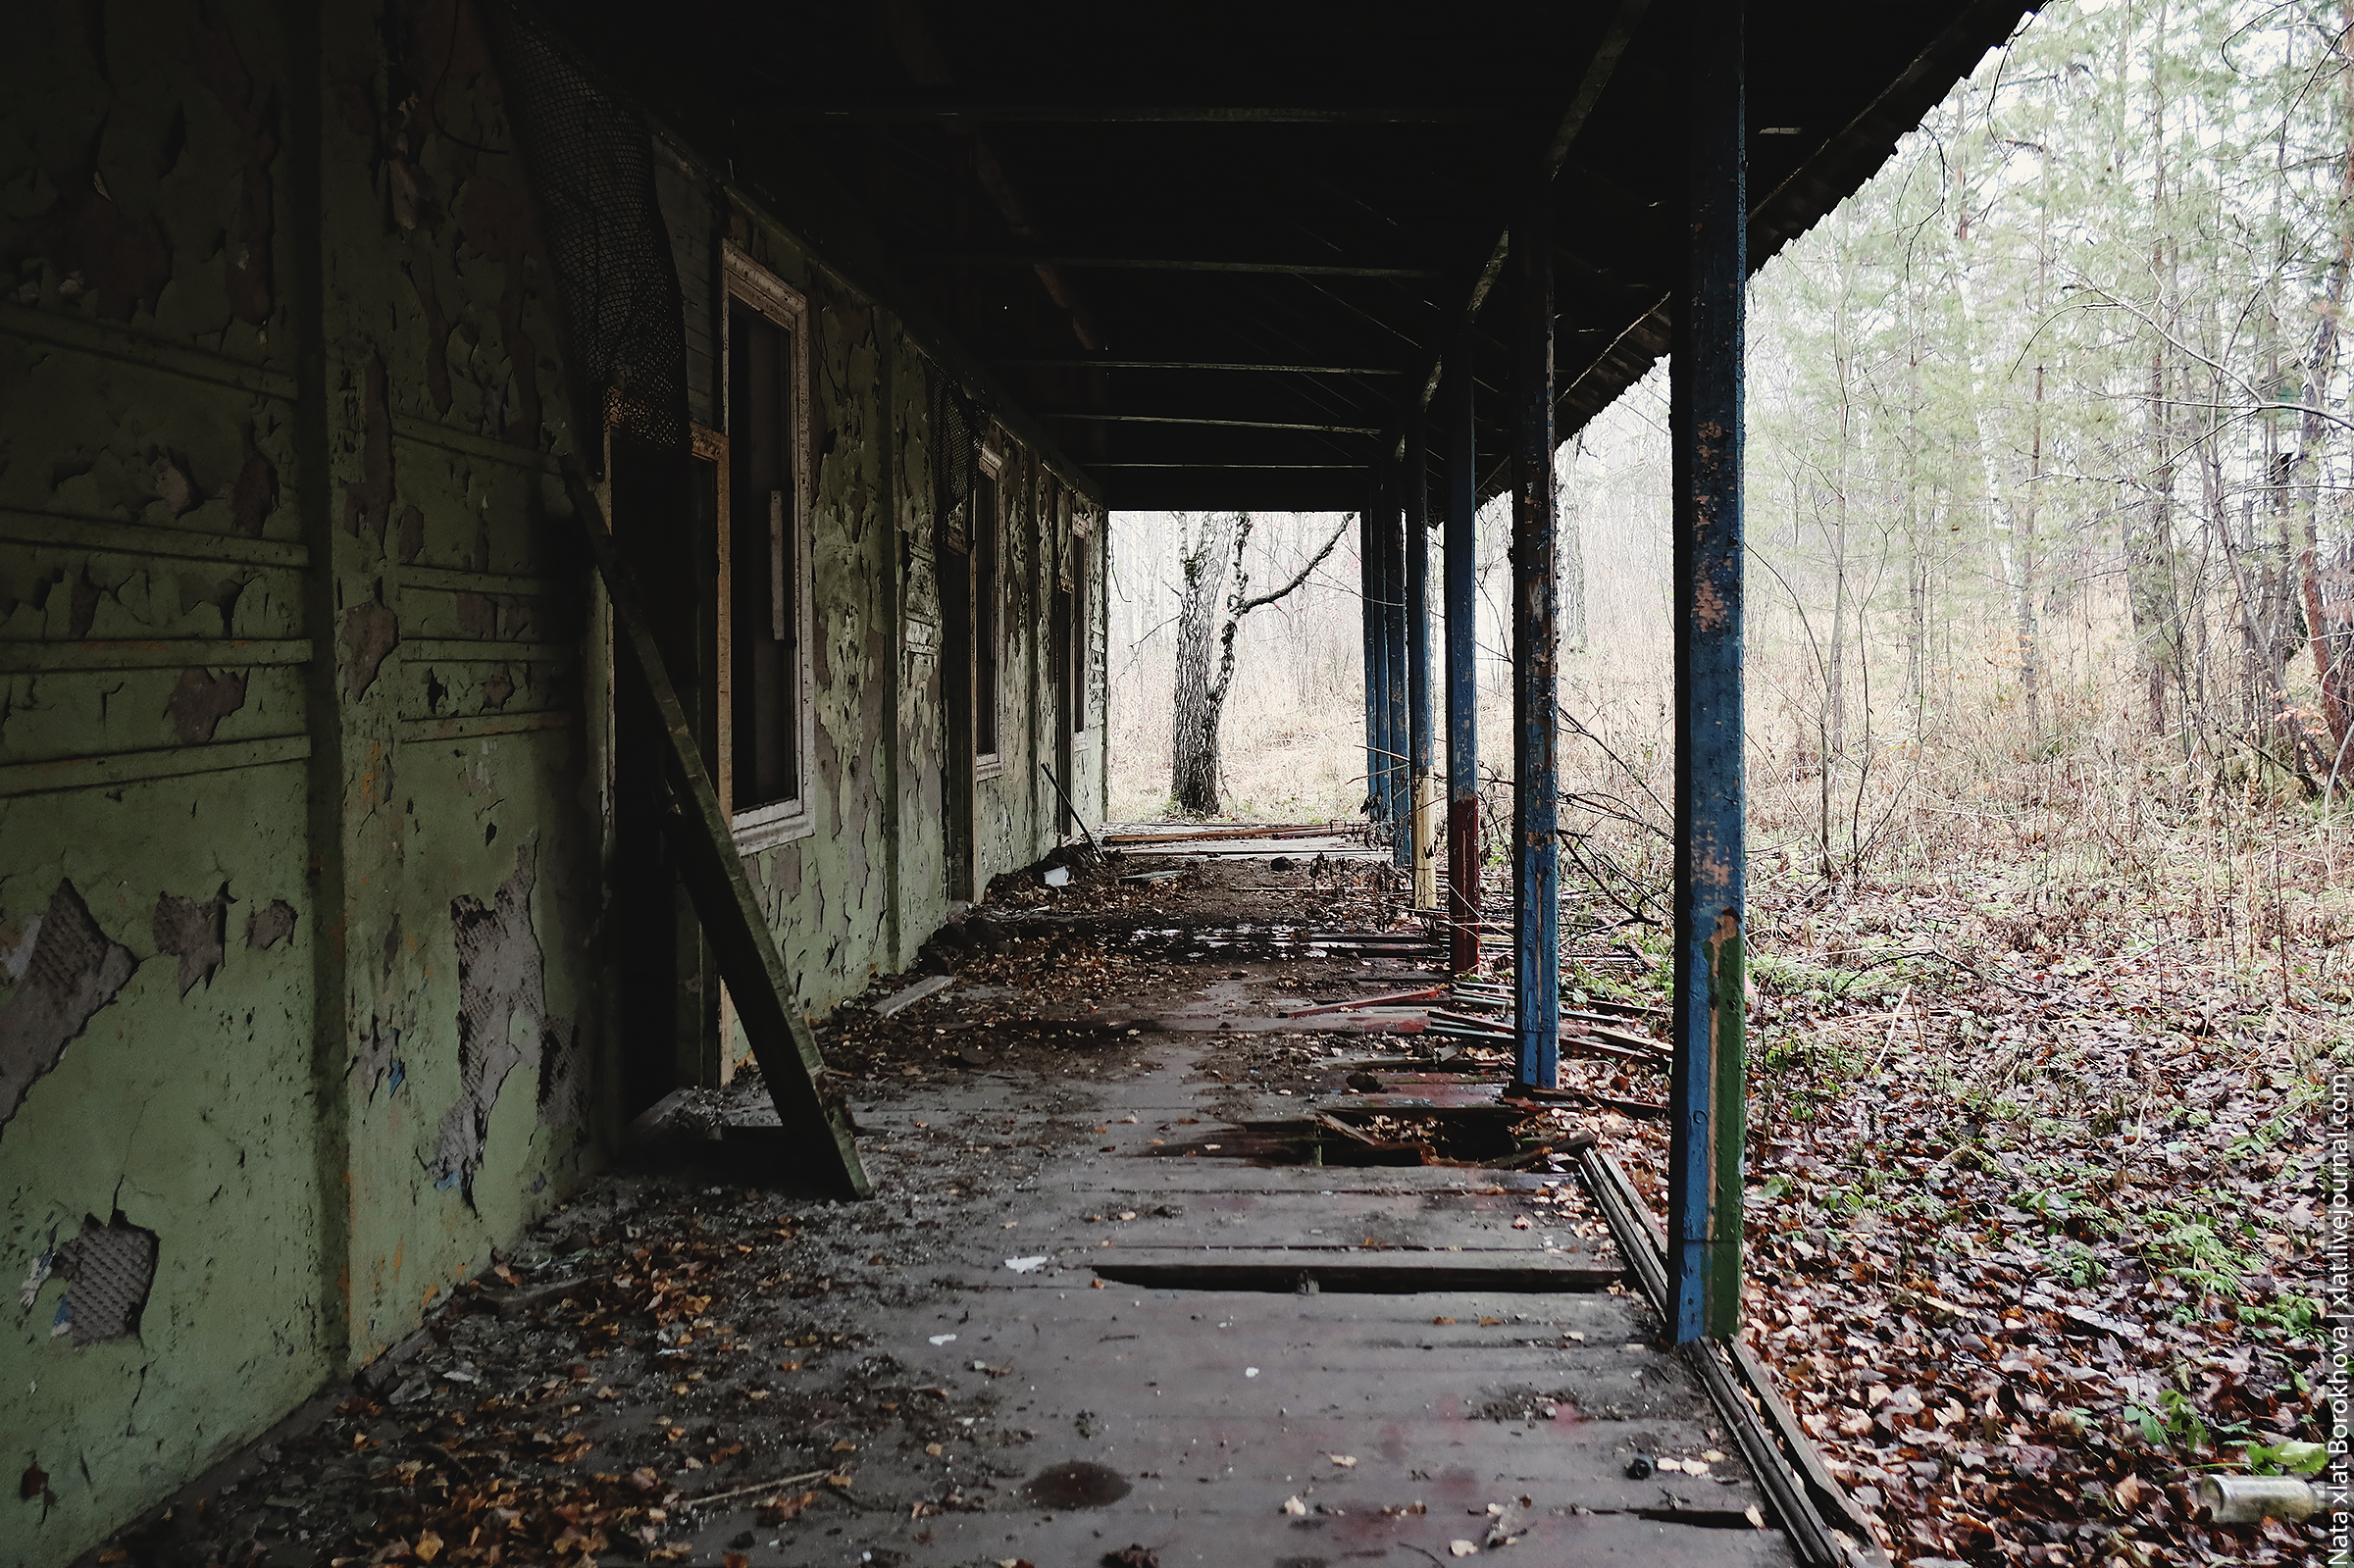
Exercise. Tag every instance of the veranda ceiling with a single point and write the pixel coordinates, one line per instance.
(1212, 253)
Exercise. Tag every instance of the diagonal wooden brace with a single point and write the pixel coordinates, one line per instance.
(790, 1063)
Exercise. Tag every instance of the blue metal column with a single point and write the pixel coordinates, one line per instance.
(1420, 779)
(1395, 678)
(1536, 637)
(1462, 661)
(1368, 543)
(1708, 1105)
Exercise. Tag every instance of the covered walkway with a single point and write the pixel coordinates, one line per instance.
(589, 523)
(1162, 1261)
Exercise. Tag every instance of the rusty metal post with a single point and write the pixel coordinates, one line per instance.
(1536, 640)
(1424, 782)
(1463, 662)
(1708, 1105)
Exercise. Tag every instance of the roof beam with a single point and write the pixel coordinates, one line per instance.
(1262, 367)
(1180, 264)
(1599, 68)
(1007, 112)
(1187, 419)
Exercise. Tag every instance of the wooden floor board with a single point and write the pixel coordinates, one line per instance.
(1495, 1356)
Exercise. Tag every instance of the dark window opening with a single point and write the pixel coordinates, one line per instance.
(765, 567)
(1080, 640)
(985, 617)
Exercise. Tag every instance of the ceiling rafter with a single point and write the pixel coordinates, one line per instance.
(1080, 261)
(1037, 113)
(1263, 368)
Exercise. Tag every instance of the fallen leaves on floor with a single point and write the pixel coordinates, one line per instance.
(2035, 1233)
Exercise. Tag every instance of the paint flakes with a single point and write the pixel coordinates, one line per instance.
(410, 539)
(269, 924)
(200, 701)
(252, 495)
(75, 969)
(500, 974)
(254, 112)
(172, 484)
(371, 632)
(378, 1064)
(564, 1075)
(478, 614)
(368, 501)
(194, 933)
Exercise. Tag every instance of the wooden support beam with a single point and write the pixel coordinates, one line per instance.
(1178, 264)
(1034, 113)
(781, 1041)
(1108, 417)
(1463, 662)
(1536, 641)
(1600, 67)
(1707, 1099)
(1424, 782)
(1254, 367)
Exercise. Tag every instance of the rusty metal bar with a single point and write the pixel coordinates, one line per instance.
(1536, 641)
(1771, 1442)
(1707, 1103)
(1462, 661)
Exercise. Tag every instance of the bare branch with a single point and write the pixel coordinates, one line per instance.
(1265, 599)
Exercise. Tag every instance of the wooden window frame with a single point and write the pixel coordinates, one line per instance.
(989, 764)
(745, 281)
(1077, 572)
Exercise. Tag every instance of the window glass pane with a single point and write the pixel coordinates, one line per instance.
(985, 617)
(1079, 638)
(763, 562)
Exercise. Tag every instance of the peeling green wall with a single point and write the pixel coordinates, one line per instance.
(292, 708)
(305, 821)
(861, 893)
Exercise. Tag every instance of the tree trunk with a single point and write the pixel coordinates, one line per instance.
(2026, 605)
(1213, 556)
(2330, 626)
(1834, 675)
(2151, 590)
(1193, 712)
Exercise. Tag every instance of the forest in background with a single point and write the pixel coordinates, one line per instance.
(2051, 620)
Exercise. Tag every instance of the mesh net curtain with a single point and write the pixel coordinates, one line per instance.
(590, 161)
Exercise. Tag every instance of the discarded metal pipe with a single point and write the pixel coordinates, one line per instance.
(2251, 1499)
(1424, 995)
